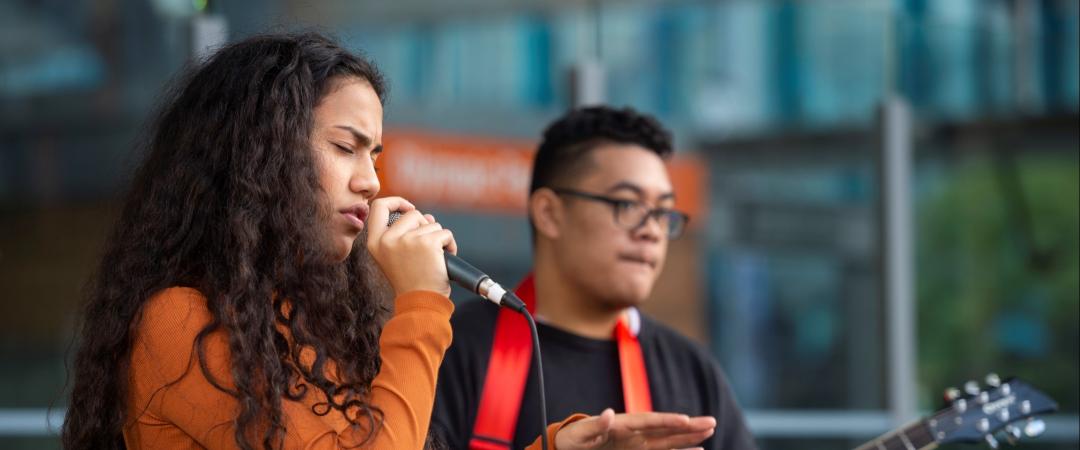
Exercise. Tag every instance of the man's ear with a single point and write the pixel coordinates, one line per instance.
(546, 210)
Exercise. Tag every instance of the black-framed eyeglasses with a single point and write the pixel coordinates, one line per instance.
(631, 215)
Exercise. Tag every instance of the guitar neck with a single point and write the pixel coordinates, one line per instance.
(916, 436)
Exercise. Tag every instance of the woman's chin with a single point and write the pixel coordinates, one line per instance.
(343, 249)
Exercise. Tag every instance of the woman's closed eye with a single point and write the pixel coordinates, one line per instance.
(344, 148)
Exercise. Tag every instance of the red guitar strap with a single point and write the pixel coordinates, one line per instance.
(504, 384)
(635, 380)
(508, 370)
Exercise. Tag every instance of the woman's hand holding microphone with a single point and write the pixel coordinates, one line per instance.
(409, 252)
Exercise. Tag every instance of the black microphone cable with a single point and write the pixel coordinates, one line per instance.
(510, 301)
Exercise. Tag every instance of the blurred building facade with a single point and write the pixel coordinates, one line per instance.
(784, 275)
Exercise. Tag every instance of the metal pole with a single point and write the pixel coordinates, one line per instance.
(897, 246)
(588, 80)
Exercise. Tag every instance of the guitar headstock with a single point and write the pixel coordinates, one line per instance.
(1005, 408)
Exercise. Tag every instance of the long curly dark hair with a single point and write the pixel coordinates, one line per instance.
(228, 201)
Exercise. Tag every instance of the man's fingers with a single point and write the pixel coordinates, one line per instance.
(594, 430)
(700, 423)
(678, 430)
(651, 421)
(678, 440)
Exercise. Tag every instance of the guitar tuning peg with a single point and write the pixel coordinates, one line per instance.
(951, 394)
(1012, 434)
(991, 441)
(1034, 427)
(971, 388)
(993, 380)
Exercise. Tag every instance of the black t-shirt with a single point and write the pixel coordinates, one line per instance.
(581, 375)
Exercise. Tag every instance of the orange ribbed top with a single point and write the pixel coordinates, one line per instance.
(171, 404)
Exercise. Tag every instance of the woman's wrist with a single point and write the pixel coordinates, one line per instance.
(419, 299)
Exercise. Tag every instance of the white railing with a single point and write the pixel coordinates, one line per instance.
(824, 424)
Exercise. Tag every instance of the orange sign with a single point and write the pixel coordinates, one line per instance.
(456, 172)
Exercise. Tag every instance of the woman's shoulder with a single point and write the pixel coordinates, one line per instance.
(168, 327)
(178, 294)
(174, 308)
(172, 318)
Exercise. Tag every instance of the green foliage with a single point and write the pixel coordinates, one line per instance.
(995, 294)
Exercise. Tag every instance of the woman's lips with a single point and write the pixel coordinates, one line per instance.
(356, 215)
(353, 219)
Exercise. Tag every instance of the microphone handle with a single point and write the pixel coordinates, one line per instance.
(463, 273)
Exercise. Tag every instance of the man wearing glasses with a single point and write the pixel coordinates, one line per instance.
(601, 209)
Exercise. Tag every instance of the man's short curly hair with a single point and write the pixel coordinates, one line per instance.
(569, 140)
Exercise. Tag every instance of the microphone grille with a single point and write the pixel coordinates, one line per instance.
(394, 216)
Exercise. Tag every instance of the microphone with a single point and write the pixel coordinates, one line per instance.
(471, 278)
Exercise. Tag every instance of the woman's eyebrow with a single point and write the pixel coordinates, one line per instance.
(361, 138)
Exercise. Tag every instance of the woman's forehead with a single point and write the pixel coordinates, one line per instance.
(351, 103)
